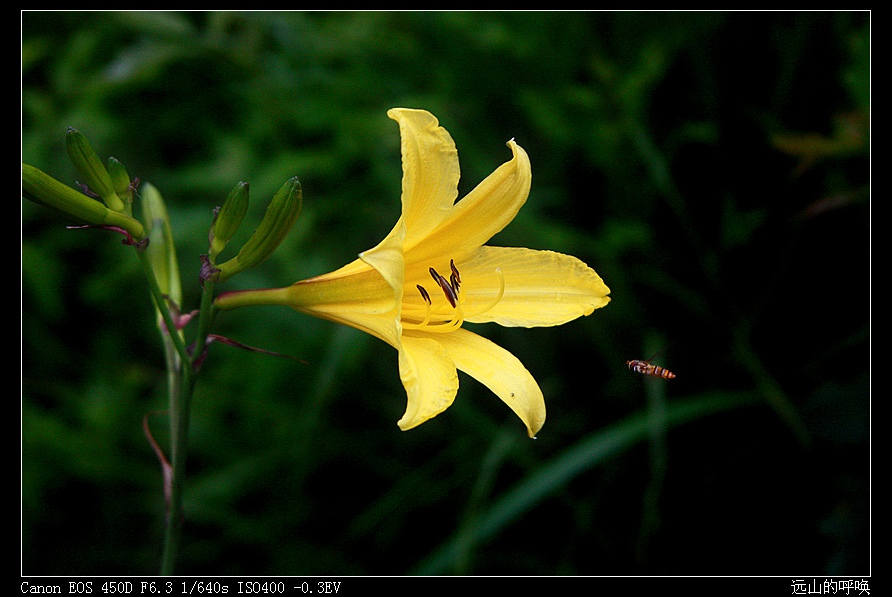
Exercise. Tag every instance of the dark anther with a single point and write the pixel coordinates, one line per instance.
(456, 278)
(448, 290)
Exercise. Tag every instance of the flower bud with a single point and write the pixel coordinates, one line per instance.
(161, 250)
(281, 213)
(121, 181)
(42, 188)
(91, 168)
(228, 219)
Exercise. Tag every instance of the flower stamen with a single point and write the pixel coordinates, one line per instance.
(450, 290)
(427, 300)
(455, 278)
(424, 294)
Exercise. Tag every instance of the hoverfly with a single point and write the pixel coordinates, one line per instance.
(645, 368)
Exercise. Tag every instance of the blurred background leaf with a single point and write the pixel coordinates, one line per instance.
(712, 167)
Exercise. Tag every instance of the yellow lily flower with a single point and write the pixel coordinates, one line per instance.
(433, 272)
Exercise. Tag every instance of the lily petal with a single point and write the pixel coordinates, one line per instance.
(430, 172)
(430, 379)
(482, 213)
(387, 259)
(541, 288)
(353, 295)
(501, 372)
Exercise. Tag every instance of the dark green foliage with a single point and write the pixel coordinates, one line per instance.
(712, 167)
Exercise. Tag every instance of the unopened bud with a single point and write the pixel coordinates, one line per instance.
(121, 181)
(281, 213)
(161, 250)
(91, 168)
(42, 188)
(228, 219)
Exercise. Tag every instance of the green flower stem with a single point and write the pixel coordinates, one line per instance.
(180, 385)
(180, 409)
(161, 304)
(206, 314)
(180, 404)
(182, 375)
